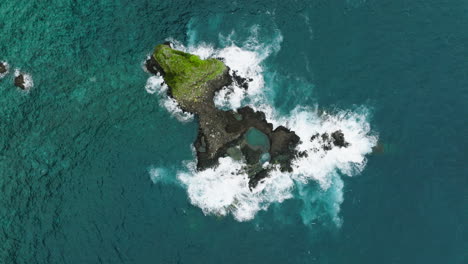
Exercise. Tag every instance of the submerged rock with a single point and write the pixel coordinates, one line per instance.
(379, 148)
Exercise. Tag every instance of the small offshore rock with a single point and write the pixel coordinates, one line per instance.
(3, 68)
(19, 81)
(338, 139)
(23, 80)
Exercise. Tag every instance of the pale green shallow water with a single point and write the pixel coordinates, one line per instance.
(75, 150)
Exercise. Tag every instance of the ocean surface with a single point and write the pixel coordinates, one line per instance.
(96, 162)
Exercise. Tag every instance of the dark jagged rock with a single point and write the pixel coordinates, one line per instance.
(302, 154)
(223, 133)
(336, 139)
(316, 135)
(241, 81)
(20, 82)
(3, 68)
(152, 66)
(339, 140)
(255, 179)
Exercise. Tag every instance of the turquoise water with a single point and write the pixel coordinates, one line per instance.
(77, 150)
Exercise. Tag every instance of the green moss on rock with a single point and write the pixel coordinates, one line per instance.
(186, 74)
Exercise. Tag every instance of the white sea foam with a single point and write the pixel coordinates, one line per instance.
(27, 78)
(155, 84)
(156, 174)
(7, 67)
(319, 204)
(224, 189)
(247, 64)
(319, 164)
(162, 175)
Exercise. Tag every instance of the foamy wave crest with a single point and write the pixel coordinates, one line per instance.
(245, 63)
(7, 68)
(225, 189)
(155, 84)
(319, 164)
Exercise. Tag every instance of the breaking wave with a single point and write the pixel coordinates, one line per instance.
(319, 163)
(224, 189)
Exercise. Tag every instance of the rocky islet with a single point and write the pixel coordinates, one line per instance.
(193, 83)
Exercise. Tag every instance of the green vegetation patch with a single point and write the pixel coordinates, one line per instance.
(185, 73)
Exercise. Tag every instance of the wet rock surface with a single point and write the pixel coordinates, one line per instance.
(329, 141)
(338, 139)
(231, 134)
(20, 82)
(241, 81)
(3, 68)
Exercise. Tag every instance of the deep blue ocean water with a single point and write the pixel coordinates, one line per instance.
(75, 151)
